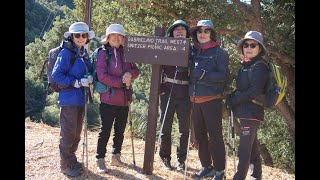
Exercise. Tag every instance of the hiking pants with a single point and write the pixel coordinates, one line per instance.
(249, 151)
(207, 119)
(110, 115)
(181, 106)
(71, 121)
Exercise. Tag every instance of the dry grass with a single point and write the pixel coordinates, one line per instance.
(42, 159)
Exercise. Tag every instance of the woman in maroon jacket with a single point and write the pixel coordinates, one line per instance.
(117, 74)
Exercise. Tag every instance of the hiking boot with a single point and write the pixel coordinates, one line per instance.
(72, 171)
(219, 175)
(101, 166)
(116, 161)
(79, 165)
(204, 172)
(180, 166)
(167, 163)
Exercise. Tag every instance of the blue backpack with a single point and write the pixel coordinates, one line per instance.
(276, 87)
(98, 86)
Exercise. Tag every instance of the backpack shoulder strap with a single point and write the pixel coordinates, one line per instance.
(252, 67)
(73, 59)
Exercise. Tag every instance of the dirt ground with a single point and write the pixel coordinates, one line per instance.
(42, 159)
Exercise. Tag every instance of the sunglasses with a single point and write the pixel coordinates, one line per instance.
(83, 35)
(206, 31)
(252, 45)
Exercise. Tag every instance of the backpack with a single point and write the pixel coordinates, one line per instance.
(98, 86)
(52, 57)
(276, 86)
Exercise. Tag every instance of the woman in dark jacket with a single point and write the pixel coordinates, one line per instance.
(174, 99)
(209, 75)
(114, 106)
(250, 114)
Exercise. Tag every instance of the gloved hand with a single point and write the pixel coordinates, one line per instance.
(197, 74)
(84, 82)
(90, 79)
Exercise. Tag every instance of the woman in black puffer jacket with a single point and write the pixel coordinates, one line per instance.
(250, 114)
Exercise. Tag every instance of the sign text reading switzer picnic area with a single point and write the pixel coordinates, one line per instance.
(157, 50)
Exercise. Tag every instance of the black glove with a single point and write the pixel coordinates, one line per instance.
(197, 74)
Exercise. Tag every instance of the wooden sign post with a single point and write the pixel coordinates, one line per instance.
(157, 51)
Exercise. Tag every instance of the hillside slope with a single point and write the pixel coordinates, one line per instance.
(42, 159)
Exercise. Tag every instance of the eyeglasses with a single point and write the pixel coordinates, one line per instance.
(252, 45)
(206, 31)
(83, 35)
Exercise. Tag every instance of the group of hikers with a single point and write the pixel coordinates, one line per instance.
(195, 93)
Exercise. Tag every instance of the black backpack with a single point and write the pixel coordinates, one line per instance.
(52, 57)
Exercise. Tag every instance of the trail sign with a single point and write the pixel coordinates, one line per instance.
(157, 50)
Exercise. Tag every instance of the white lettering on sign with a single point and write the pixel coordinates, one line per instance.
(156, 43)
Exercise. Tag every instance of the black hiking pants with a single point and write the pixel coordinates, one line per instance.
(249, 150)
(207, 120)
(180, 106)
(111, 116)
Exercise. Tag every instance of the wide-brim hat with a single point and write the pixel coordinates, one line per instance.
(175, 24)
(113, 29)
(79, 27)
(254, 35)
(200, 23)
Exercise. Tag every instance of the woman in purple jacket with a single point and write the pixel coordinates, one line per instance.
(117, 74)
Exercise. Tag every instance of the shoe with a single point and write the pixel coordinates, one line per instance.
(72, 171)
(219, 175)
(180, 166)
(254, 178)
(79, 165)
(205, 172)
(101, 166)
(116, 161)
(167, 163)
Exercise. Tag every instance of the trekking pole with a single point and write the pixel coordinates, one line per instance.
(165, 112)
(233, 149)
(189, 138)
(85, 135)
(131, 126)
(228, 136)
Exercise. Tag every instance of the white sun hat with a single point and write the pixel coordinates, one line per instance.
(79, 27)
(113, 29)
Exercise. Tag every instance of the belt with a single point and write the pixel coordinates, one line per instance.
(175, 81)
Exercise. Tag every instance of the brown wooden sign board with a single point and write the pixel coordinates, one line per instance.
(157, 50)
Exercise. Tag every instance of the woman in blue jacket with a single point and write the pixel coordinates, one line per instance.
(72, 100)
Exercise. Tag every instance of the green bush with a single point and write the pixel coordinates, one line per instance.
(50, 115)
(35, 95)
